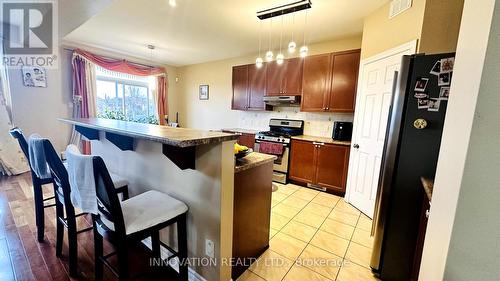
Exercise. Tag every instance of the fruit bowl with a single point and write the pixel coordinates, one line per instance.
(243, 153)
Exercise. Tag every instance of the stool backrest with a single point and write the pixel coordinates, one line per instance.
(19, 136)
(108, 201)
(59, 172)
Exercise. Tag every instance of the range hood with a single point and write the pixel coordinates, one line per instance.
(282, 100)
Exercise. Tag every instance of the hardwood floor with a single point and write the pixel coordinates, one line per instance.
(23, 258)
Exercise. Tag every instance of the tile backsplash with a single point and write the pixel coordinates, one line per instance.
(315, 124)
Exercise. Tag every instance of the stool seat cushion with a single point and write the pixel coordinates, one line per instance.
(149, 209)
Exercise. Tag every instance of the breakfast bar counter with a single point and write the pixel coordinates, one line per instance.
(252, 160)
(194, 166)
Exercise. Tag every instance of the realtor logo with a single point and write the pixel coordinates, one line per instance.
(28, 29)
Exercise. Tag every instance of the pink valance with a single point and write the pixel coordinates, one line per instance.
(123, 66)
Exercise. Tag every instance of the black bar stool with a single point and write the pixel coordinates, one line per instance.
(65, 212)
(133, 220)
(38, 183)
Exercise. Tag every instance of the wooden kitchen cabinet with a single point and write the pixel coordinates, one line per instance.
(332, 162)
(240, 87)
(249, 87)
(302, 161)
(256, 87)
(316, 81)
(284, 79)
(321, 164)
(344, 82)
(329, 82)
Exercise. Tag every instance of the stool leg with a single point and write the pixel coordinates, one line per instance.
(72, 241)
(59, 228)
(125, 193)
(182, 242)
(98, 253)
(155, 244)
(122, 253)
(39, 212)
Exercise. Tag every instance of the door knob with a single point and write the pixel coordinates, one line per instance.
(356, 146)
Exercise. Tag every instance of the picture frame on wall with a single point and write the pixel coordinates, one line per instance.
(34, 76)
(204, 92)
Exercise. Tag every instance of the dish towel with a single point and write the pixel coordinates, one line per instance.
(271, 148)
(81, 179)
(36, 155)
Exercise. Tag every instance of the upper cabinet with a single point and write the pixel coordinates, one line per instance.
(329, 82)
(240, 87)
(326, 82)
(249, 87)
(284, 79)
(344, 82)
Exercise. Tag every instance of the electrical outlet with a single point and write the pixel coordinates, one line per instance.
(209, 248)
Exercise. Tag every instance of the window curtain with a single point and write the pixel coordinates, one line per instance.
(84, 95)
(127, 67)
(12, 160)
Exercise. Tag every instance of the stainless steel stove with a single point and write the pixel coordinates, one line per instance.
(276, 141)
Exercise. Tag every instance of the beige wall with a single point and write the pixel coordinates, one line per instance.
(216, 113)
(441, 26)
(381, 33)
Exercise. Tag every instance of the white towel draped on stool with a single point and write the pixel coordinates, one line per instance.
(37, 157)
(81, 179)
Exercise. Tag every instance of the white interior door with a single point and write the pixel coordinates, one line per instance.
(370, 123)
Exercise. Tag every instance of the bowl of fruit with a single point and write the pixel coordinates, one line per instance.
(241, 151)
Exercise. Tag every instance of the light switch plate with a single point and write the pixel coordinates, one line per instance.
(209, 248)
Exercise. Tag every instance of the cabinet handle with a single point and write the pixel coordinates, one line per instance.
(318, 143)
(427, 213)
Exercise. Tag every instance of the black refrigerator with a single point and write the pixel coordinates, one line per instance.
(411, 149)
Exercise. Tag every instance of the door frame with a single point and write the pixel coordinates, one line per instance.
(409, 46)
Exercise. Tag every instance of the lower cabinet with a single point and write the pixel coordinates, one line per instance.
(321, 164)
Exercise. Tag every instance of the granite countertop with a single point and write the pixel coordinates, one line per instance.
(321, 139)
(240, 130)
(252, 160)
(180, 137)
(428, 185)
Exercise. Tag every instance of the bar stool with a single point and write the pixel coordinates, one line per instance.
(65, 207)
(133, 220)
(38, 183)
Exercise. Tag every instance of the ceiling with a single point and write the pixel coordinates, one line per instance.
(197, 31)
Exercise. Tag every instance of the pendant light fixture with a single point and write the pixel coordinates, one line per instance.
(292, 45)
(269, 53)
(259, 61)
(280, 57)
(304, 49)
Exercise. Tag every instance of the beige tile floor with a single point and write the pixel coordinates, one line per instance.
(314, 236)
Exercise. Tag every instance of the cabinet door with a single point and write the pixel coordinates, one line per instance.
(332, 163)
(316, 82)
(247, 140)
(302, 161)
(256, 87)
(275, 76)
(240, 85)
(292, 84)
(344, 82)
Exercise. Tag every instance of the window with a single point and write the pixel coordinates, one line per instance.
(125, 97)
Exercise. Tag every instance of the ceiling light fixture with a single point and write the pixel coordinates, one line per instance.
(280, 57)
(292, 45)
(259, 61)
(172, 3)
(304, 49)
(269, 53)
(281, 11)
